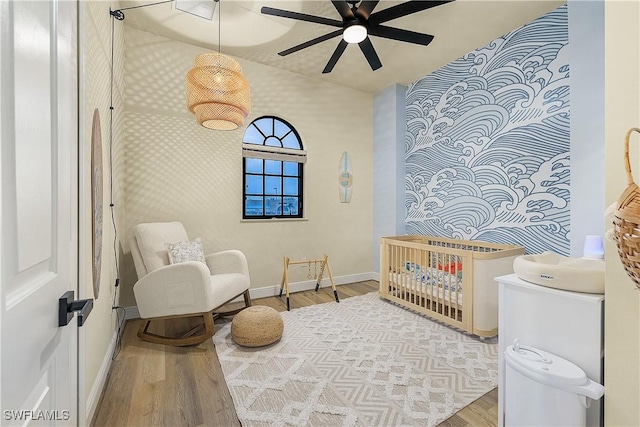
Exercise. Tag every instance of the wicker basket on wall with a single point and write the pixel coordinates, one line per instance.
(626, 221)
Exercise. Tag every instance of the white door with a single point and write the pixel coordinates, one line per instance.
(38, 201)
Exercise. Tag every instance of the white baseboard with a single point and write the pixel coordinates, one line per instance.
(271, 291)
(98, 384)
(131, 312)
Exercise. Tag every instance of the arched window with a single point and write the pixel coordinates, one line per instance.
(272, 165)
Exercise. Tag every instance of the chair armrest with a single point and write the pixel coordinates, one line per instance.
(231, 261)
(183, 288)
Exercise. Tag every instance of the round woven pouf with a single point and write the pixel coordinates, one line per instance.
(257, 326)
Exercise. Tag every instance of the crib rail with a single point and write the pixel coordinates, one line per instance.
(481, 250)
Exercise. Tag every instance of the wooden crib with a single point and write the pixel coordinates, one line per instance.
(448, 280)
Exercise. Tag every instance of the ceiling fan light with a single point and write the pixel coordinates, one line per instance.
(355, 33)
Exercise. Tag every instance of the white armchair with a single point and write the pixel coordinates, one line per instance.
(186, 289)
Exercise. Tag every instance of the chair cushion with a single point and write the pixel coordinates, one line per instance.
(151, 239)
(187, 250)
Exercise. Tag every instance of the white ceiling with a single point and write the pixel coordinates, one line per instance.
(459, 27)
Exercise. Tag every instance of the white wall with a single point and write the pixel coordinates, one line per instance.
(622, 299)
(586, 59)
(177, 170)
(95, 45)
(389, 128)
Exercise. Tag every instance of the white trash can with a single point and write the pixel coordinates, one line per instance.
(542, 389)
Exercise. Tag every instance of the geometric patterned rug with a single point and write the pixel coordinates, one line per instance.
(361, 362)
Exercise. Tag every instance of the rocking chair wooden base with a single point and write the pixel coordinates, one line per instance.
(189, 338)
(247, 303)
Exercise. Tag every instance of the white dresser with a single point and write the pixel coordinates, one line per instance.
(567, 324)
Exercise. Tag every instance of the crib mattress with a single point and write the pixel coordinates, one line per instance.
(405, 282)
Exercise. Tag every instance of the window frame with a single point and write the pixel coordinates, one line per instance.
(263, 152)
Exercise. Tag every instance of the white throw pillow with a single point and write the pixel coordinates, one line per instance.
(185, 251)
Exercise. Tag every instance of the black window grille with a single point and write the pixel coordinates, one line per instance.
(272, 166)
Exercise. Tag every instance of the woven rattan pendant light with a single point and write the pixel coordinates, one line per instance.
(217, 92)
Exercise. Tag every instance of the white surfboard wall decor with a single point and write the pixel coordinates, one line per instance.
(345, 178)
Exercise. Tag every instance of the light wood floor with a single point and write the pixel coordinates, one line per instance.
(155, 385)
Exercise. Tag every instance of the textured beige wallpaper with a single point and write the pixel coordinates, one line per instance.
(177, 170)
(95, 39)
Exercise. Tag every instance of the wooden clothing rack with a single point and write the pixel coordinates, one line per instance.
(324, 262)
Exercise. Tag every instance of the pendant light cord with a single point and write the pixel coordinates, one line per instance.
(219, 25)
(119, 320)
(119, 15)
(145, 5)
(111, 205)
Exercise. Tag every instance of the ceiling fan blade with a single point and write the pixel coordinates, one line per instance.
(400, 35)
(343, 9)
(403, 9)
(370, 53)
(365, 8)
(334, 58)
(300, 16)
(310, 43)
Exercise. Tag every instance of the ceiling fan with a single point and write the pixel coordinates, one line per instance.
(358, 23)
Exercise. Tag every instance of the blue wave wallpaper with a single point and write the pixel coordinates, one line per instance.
(487, 143)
